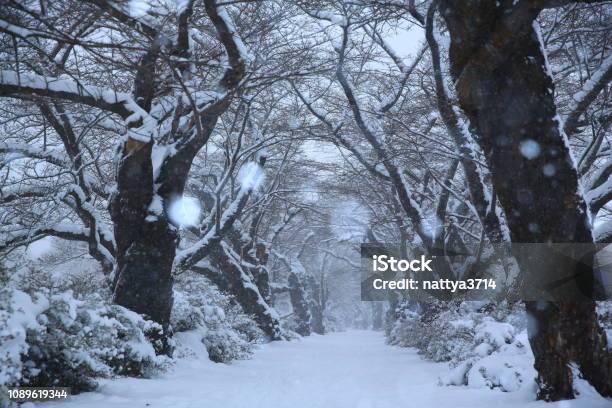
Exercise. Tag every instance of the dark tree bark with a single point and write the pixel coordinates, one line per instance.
(377, 316)
(505, 90)
(238, 264)
(318, 294)
(299, 303)
(146, 244)
(484, 206)
(260, 272)
(232, 277)
(255, 258)
(146, 240)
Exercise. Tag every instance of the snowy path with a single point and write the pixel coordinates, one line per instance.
(341, 370)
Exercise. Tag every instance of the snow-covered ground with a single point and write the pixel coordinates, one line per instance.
(353, 369)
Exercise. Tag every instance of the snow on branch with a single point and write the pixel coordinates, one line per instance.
(211, 104)
(392, 99)
(125, 17)
(459, 130)
(402, 188)
(333, 18)
(251, 180)
(600, 192)
(389, 102)
(28, 34)
(335, 129)
(237, 53)
(17, 192)
(20, 149)
(583, 98)
(22, 84)
(19, 236)
(294, 264)
(602, 233)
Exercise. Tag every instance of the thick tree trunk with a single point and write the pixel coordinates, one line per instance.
(240, 271)
(299, 303)
(146, 242)
(260, 271)
(255, 258)
(377, 316)
(235, 280)
(505, 90)
(317, 304)
(564, 334)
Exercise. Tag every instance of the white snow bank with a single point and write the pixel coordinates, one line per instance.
(20, 317)
(342, 370)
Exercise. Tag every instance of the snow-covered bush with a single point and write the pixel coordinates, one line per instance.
(437, 332)
(496, 358)
(223, 328)
(505, 368)
(223, 342)
(604, 311)
(456, 331)
(484, 344)
(12, 335)
(58, 340)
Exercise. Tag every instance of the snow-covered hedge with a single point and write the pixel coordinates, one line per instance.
(63, 330)
(486, 345)
(58, 340)
(223, 328)
(604, 310)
